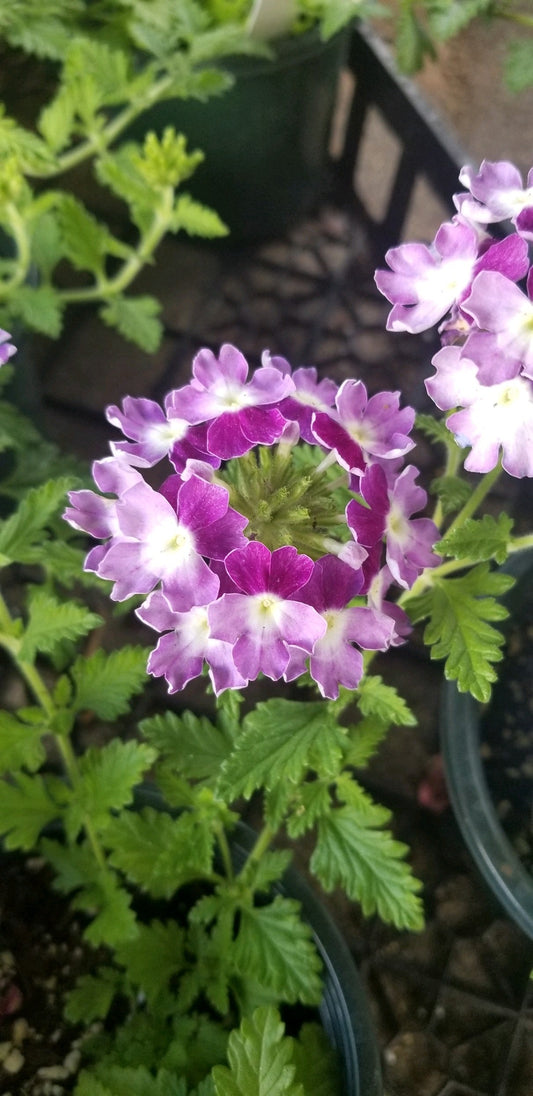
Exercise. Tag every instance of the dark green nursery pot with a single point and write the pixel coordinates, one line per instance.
(471, 799)
(266, 139)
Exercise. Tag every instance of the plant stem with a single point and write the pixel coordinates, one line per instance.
(483, 488)
(262, 843)
(225, 852)
(23, 260)
(35, 683)
(106, 288)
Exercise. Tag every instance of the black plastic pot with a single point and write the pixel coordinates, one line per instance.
(343, 1011)
(266, 139)
(471, 798)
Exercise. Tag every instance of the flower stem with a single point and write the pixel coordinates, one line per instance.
(483, 488)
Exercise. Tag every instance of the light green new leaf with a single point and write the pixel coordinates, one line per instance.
(459, 628)
(154, 957)
(23, 533)
(365, 739)
(479, 539)
(56, 120)
(277, 740)
(108, 776)
(196, 219)
(309, 803)
(318, 1066)
(158, 852)
(105, 683)
(20, 744)
(518, 65)
(191, 744)
(85, 241)
(39, 308)
(369, 864)
(136, 319)
(26, 807)
(111, 1079)
(260, 1059)
(108, 904)
(51, 622)
(374, 698)
(275, 948)
(92, 996)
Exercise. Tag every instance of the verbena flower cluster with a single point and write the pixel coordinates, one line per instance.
(272, 545)
(278, 539)
(467, 278)
(6, 348)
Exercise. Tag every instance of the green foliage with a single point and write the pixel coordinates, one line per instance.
(479, 540)
(354, 851)
(105, 683)
(460, 630)
(160, 853)
(260, 1060)
(275, 947)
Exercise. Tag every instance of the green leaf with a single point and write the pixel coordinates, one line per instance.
(158, 852)
(278, 740)
(309, 803)
(518, 65)
(459, 630)
(26, 807)
(136, 319)
(365, 738)
(108, 776)
(318, 1066)
(374, 698)
(154, 957)
(269, 869)
(56, 120)
(413, 44)
(274, 946)
(51, 622)
(92, 996)
(20, 743)
(111, 1079)
(39, 308)
(85, 242)
(22, 534)
(191, 744)
(479, 539)
(196, 219)
(452, 491)
(436, 430)
(369, 865)
(105, 683)
(260, 1059)
(108, 904)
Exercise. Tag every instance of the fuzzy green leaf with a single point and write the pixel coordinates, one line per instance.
(374, 698)
(365, 738)
(39, 308)
(56, 121)
(117, 1080)
(518, 65)
(26, 807)
(136, 319)
(23, 533)
(436, 430)
(479, 539)
(51, 622)
(278, 739)
(369, 865)
(92, 996)
(413, 44)
(275, 948)
(158, 852)
(108, 904)
(260, 1059)
(85, 241)
(318, 1066)
(105, 683)
(310, 802)
(191, 744)
(452, 492)
(108, 776)
(196, 219)
(20, 744)
(154, 957)
(459, 628)
(268, 870)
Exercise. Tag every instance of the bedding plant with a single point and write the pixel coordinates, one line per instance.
(75, 77)
(268, 526)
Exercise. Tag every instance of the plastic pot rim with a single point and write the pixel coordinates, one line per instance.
(470, 797)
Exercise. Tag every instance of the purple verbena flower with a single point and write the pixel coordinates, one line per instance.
(240, 413)
(156, 433)
(503, 309)
(161, 542)
(184, 646)
(424, 283)
(388, 513)
(263, 622)
(335, 659)
(497, 193)
(309, 396)
(6, 348)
